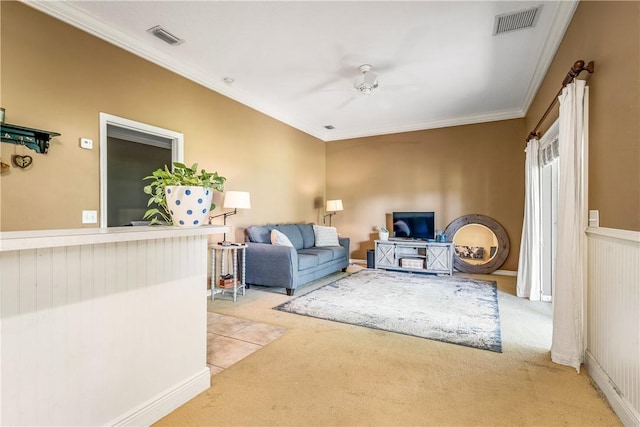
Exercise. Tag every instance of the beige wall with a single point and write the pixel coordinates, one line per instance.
(609, 34)
(426, 170)
(475, 169)
(58, 78)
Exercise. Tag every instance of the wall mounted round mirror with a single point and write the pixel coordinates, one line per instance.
(481, 244)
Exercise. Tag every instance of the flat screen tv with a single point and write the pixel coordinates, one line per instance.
(414, 225)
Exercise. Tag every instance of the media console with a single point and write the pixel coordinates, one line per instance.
(414, 255)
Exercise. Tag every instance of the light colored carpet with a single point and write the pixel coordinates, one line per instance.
(322, 373)
(456, 310)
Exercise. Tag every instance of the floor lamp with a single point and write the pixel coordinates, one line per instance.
(233, 200)
(333, 207)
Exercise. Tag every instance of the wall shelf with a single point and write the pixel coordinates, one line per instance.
(35, 139)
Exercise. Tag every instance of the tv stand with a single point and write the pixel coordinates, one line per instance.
(414, 255)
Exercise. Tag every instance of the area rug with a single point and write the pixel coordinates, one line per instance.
(449, 309)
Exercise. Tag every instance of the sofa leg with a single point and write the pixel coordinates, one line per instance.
(290, 292)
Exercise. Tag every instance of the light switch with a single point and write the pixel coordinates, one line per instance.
(89, 217)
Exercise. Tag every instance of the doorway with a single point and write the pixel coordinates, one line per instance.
(549, 188)
(129, 151)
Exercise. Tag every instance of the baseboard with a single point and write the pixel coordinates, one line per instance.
(505, 273)
(158, 407)
(620, 405)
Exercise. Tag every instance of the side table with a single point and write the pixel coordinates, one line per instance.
(220, 256)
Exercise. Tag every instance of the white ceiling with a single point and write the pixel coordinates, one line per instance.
(438, 62)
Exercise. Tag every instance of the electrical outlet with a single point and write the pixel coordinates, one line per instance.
(89, 217)
(86, 143)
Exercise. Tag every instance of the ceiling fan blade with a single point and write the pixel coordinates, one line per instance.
(347, 102)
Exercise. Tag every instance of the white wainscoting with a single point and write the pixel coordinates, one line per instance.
(613, 318)
(112, 331)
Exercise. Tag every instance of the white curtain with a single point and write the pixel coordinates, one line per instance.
(567, 346)
(530, 261)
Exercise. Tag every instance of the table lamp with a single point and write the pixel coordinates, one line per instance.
(333, 206)
(233, 200)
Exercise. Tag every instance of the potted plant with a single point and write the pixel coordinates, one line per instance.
(383, 233)
(182, 195)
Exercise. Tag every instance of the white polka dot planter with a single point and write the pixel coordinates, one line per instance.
(188, 205)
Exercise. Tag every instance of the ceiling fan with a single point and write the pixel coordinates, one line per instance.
(368, 81)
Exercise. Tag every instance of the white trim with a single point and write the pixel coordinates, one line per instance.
(620, 405)
(506, 273)
(614, 233)
(72, 15)
(563, 18)
(177, 149)
(166, 402)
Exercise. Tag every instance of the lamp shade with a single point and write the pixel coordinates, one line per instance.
(237, 200)
(334, 205)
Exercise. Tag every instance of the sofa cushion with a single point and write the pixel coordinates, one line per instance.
(323, 254)
(293, 233)
(337, 251)
(325, 236)
(308, 237)
(280, 239)
(259, 233)
(306, 261)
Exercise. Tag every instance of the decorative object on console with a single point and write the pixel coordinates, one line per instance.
(333, 207)
(481, 244)
(176, 181)
(383, 233)
(233, 200)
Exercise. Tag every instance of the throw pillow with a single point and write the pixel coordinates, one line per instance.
(326, 236)
(278, 238)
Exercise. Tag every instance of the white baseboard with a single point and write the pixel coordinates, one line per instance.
(166, 402)
(620, 405)
(505, 273)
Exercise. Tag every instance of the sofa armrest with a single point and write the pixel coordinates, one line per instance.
(345, 242)
(271, 265)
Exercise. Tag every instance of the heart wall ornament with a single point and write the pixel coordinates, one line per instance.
(22, 162)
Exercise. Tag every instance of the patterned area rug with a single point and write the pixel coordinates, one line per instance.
(449, 309)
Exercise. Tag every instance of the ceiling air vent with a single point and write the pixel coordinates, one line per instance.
(519, 20)
(165, 35)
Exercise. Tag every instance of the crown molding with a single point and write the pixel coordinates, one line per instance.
(72, 15)
(559, 26)
(458, 121)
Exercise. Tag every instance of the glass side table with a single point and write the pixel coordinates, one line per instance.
(221, 256)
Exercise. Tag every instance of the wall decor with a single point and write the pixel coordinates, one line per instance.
(35, 139)
(22, 162)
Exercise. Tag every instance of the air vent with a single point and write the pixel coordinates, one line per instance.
(522, 19)
(165, 36)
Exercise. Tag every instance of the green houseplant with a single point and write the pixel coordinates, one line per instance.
(186, 179)
(383, 233)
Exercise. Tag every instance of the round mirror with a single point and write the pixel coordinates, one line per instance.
(481, 244)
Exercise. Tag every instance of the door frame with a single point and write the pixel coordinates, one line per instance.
(177, 149)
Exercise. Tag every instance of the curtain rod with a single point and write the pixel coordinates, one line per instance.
(574, 72)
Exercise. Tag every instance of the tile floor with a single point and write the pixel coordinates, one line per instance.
(230, 339)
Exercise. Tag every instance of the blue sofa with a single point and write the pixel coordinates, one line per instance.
(289, 267)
